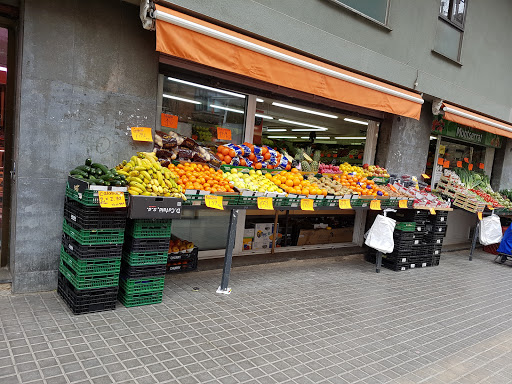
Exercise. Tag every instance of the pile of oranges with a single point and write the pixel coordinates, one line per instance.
(200, 176)
(294, 182)
(359, 184)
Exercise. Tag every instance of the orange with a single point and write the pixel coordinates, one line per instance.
(289, 183)
(296, 182)
(294, 170)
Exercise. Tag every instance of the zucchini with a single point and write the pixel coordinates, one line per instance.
(106, 177)
(117, 183)
(99, 182)
(88, 162)
(100, 166)
(92, 177)
(84, 168)
(75, 172)
(97, 172)
(113, 171)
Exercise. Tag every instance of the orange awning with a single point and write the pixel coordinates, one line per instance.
(474, 120)
(192, 39)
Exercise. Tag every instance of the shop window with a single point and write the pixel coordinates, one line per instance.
(209, 115)
(376, 10)
(450, 28)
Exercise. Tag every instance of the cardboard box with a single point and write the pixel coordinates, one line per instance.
(261, 244)
(263, 231)
(248, 232)
(247, 244)
(325, 236)
(154, 207)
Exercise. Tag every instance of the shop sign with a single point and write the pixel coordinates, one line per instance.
(450, 129)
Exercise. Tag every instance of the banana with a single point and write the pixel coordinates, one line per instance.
(146, 194)
(167, 194)
(140, 191)
(137, 185)
(149, 188)
(166, 190)
(153, 194)
(140, 168)
(133, 159)
(134, 173)
(131, 191)
(160, 190)
(128, 167)
(145, 174)
(160, 178)
(154, 182)
(121, 172)
(147, 163)
(168, 183)
(138, 161)
(136, 179)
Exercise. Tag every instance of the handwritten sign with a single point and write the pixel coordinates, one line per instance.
(223, 133)
(306, 204)
(432, 211)
(440, 161)
(481, 165)
(470, 167)
(446, 164)
(265, 203)
(402, 204)
(214, 201)
(344, 204)
(375, 205)
(479, 215)
(111, 199)
(169, 121)
(459, 164)
(425, 176)
(142, 134)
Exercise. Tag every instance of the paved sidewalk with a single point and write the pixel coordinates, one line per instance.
(307, 321)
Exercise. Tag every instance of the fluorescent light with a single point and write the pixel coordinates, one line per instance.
(276, 130)
(282, 137)
(181, 99)
(433, 137)
(350, 138)
(3, 69)
(356, 121)
(304, 125)
(263, 116)
(258, 100)
(317, 138)
(226, 108)
(206, 87)
(304, 110)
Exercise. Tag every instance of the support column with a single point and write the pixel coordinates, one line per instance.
(228, 256)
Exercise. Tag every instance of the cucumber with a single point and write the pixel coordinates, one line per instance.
(113, 171)
(107, 177)
(84, 168)
(88, 162)
(117, 183)
(107, 183)
(92, 177)
(79, 177)
(100, 166)
(97, 172)
(75, 172)
(99, 182)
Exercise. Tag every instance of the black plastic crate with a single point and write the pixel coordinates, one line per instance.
(130, 272)
(416, 215)
(86, 300)
(85, 217)
(142, 245)
(435, 249)
(434, 238)
(401, 235)
(181, 266)
(80, 251)
(183, 255)
(394, 266)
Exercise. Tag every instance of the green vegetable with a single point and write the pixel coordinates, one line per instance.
(100, 166)
(78, 172)
(88, 162)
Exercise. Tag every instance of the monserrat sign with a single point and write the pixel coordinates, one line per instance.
(447, 128)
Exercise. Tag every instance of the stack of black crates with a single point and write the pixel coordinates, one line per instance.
(418, 239)
(90, 254)
(144, 262)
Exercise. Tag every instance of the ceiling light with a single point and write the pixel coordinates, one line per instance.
(258, 100)
(263, 116)
(226, 108)
(206, 87)
(304, 110)
(181, 99)
(350, 138)
(356, 121)
(282, 137)
(275, 130)
(317, 138)
(304, 125)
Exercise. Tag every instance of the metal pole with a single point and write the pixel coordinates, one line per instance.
(228, 256)
(274, 234)
(473, 244)
(286, 228)
(378, 262)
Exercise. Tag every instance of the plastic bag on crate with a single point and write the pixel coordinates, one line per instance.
(380, 235)
(490, 230)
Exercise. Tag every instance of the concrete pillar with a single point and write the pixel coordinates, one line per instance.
(501, 170)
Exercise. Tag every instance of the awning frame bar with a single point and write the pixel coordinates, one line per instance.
(476, 118)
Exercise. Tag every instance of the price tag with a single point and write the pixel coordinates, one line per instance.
(223, 133)
(344, 204)
(481, 165)
(425, 176)
(265, 203)
(111, 199)
(306, 204)
(490, 207)
(213, 201)
(466, 160)
(402, 204)
(470, 167)
(142, 134)
(440, 161)
(459, 164)
(446, 164)
(169, 121)
(432, 211)
(375, 205)
(479, 215)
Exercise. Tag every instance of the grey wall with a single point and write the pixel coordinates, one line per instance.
(402, 56)
(89, 72)
(502, 167)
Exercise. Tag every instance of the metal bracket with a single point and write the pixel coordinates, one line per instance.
(146, 15)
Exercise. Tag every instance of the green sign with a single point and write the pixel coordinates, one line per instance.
(447, 128)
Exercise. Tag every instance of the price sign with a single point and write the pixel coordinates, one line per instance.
(470, 167)
(142, 134)
(446, 164)
(214, 201)
(432, 211)
(111, 199)
(459, 164)
(344, 204)
(479, 215)
(375, 205)
(402, 204)
(425, 176)
(306, 204)
(440, 161)
(169, 121)
(466, 160)
(490, 207)
(481, 165)
(223, 133)
(265, 203)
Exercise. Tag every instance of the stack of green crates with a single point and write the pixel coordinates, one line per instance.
(90, 256)
(144, 262)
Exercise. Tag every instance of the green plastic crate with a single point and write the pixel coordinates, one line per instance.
(95, 236)
(145, 258)
(89, 282)
(406, 226)
(147, 229)
(138, 299)
(88, 197)
(194, 200)
(248, 200)
(91, 267)
(142, 285)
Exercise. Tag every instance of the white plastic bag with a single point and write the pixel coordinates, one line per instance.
(380, 235)
(490, 230)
